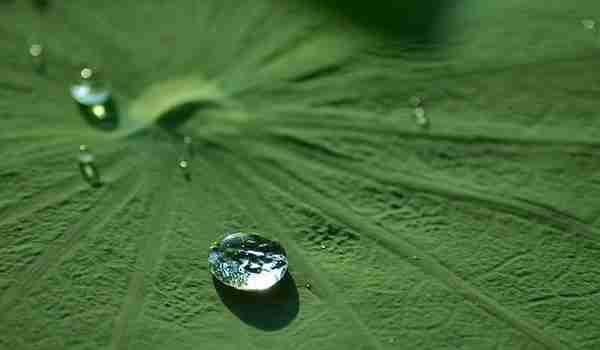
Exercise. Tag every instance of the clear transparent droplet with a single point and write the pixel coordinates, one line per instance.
(94, 98)
(308, 286)
(323, 246)
(248, 261)
(183, 164)
(90, 91)
(36, 52)
(420, 117)
(589, 24)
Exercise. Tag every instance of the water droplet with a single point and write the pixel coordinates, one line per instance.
(420, 117)
(589, 24)
(323, 246)
(308, 286)
(36, 51)
(183, 164)
(94, 99)
(88, 169)
(248, 261)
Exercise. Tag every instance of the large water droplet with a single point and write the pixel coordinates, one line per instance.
(248, 261)
(95, 101)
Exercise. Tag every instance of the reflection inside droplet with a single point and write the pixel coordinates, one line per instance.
(248, 261)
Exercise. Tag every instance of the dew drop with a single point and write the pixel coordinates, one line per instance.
(589, 24)
(88, 169)
(323, 246)
(420, 117)
(94, 98)
(308, 286)
(248, 262)
(183, 164)
(36, 51)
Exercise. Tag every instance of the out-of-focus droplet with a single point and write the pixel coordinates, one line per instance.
(36, 51)
(308, 286)
(94, 98)
(87, 167)
(248, 262)
(589, 24)
(420, 117)
(323, 246)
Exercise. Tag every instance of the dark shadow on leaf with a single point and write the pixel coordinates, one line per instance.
(179, 115)
(41, 5)
(108, 122)
(409, 21)
(269, 310)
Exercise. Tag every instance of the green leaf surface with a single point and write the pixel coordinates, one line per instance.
(479, 232)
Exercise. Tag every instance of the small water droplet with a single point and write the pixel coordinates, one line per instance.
(420, 117)
(248, 261)
(94, 98)
(88, 169)
(323, 246)
(36, 51)
(308, 286)
(183, 164)
(589, 24)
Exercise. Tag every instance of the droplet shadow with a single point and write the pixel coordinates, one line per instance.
(269, 310)
(177, 116)
(410, 21)
(41, 5)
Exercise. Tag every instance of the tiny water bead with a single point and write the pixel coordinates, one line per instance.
(36, 51)
(88, 169)
(247, 262)
(589, 24)
(94, 99)
(183, 164)
(420, 117)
